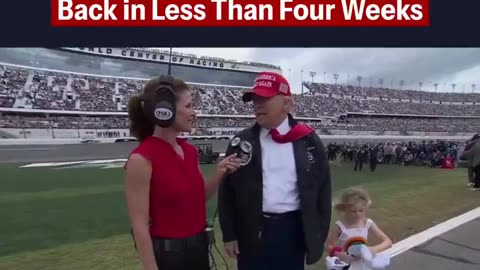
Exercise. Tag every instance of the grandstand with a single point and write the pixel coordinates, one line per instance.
(83, 92)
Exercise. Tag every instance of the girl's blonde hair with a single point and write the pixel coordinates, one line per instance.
(351, 197)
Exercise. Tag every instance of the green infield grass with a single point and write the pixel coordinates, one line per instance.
(75, 218)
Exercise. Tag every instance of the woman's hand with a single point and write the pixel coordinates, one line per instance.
(229, 164)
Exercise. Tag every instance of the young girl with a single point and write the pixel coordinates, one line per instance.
(352, 207)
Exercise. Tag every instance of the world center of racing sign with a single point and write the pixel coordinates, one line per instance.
(165, 57)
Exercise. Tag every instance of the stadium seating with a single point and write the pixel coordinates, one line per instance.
(46, 90)
(349, 90)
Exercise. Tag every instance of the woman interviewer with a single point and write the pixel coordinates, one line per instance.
(165, 190)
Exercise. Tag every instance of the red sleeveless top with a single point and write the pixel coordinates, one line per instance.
(177, 189)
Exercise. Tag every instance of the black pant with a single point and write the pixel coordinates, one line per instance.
(358, 164)
(373, 164)
(476, 179)
(196, 258)
(283, 246)
(388, 158)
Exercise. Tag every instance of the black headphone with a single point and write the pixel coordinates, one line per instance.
(161, 107)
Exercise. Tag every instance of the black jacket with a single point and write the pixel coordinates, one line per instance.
(373, 154)
(241, 195)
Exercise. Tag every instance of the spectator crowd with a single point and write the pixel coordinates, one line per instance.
(435, 154)
(346, 104)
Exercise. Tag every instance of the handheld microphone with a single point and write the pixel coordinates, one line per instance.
(235, 144)
(243, 149)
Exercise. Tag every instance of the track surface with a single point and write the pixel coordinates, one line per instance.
(75, 152)
(457, 249)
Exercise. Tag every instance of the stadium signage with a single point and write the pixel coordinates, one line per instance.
(165, 58)
(155, 57)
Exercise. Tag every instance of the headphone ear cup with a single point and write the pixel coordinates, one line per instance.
(164, 113)
(164, 109)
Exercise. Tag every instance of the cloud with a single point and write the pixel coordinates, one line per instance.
(413, 65)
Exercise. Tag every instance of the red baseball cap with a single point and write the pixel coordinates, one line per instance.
(268, 84)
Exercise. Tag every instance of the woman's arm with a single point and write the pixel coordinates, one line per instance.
(385, 241)
(228, 165)
(137, 186)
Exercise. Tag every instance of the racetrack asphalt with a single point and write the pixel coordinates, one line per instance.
(79, 152)
(457, 249)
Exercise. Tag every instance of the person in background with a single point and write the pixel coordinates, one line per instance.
(398, 154)
(467, 160)
(275, 211)
(361, 155)
(408, 159)
(448, 162)
(373, 157)
(165, 191)
(388, 149)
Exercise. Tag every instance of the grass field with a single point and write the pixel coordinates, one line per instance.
(76, 218)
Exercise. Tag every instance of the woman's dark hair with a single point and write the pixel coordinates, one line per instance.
(140, 126)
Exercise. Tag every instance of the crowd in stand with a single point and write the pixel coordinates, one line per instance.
(412, 124)
(352, 90)
(35, 89)
(63, 122)
(351, 123)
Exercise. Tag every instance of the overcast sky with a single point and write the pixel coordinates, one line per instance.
(444, 66)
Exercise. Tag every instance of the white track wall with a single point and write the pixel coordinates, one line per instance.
(11, 136)
(44, 133)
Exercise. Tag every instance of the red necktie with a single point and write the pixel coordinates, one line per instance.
(297, 132)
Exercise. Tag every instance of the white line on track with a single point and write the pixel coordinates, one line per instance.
(54, 164)
(422, 237)
(27, 149)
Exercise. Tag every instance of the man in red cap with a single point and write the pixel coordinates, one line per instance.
(275, 210)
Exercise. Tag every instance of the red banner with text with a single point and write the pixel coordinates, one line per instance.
(201, 13)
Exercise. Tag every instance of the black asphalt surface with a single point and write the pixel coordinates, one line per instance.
(458, 249)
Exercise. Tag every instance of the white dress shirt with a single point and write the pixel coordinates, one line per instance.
(280, 192)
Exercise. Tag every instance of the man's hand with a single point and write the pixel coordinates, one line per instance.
(232, 249)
